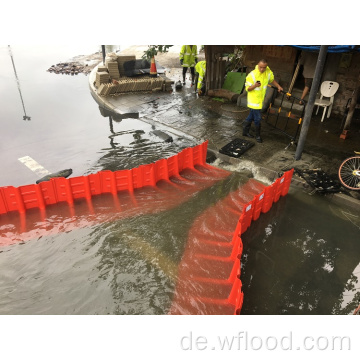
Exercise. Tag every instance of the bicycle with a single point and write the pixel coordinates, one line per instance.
(349, 172)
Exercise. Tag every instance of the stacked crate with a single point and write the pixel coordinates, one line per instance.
(101, 68)
(102, 78)
(113, 70)
(121, 59)
(168, 85)
(126, 85)
(104, 89)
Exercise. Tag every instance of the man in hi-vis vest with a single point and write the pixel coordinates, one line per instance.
(256, 84)
(188, 59)
(200, 70)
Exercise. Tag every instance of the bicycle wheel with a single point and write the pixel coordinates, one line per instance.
(349, 173)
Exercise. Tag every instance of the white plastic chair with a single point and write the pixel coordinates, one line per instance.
(328, 89)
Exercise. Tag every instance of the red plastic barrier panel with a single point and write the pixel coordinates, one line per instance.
(279, 188)
(48, 192)
(246, 216)
(275, 185)
(63, 190)
(258, 204)
(241, 248)
(80, 187)
(237, 232)
(186, 159)
(107, 182)
(3, 208)
(268, 198)
(148, 175)
(12, 198)
(273, 191)
(288, 178)
(236, 270)
(173, 166)
(198, 154)
(95, 183)
(235, 293)
(161, 170)
(124, 180)
(237, 249)
(204, 146)
(239, 304)
(31, 196)
(143, 176)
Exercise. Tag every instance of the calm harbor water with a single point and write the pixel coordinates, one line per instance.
(300, 258)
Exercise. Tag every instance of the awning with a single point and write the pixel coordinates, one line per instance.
(331, 48)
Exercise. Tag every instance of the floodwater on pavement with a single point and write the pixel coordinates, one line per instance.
(302, 257)
(67, 129)
(121, 254)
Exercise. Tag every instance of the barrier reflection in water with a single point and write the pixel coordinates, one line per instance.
(112, 202)
(209, 273)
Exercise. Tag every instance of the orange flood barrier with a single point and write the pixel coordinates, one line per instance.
(105, 196)
(208, 281)
(58, 190)
(209, 273)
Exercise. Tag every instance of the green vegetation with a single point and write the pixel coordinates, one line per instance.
(154, 49)
(236, 59)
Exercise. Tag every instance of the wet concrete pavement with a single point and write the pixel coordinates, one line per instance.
(204, 118)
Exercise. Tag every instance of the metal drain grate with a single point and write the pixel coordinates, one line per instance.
(236, 148)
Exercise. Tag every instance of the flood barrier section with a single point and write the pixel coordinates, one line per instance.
(58, 190)
(209, 273)
(84, 187)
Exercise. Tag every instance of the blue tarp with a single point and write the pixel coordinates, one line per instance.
(331, 48)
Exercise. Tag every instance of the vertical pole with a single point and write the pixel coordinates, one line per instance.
(103, 53)
(25, 117)
(207, 59)
(310, 105)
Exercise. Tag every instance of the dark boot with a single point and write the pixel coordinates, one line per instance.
(257, 132)
(246, 129)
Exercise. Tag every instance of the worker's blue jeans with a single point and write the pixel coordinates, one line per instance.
(255, 114)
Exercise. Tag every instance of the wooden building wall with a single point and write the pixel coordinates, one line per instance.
(348, 75)
(281, 60)
(216, 65)
(342, 68)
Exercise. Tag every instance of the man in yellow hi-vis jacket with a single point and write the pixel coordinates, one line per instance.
(256, 84)
(188, 59)
(200, 69)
